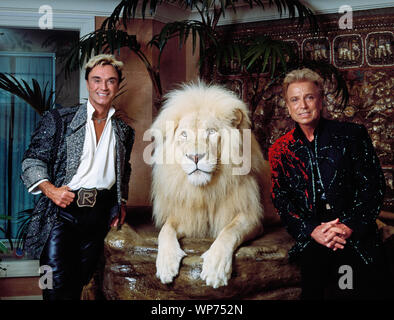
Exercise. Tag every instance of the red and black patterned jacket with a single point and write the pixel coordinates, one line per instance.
(352, 180)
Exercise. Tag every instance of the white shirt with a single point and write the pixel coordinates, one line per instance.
(97, 163)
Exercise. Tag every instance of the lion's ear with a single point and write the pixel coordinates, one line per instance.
(237, 118)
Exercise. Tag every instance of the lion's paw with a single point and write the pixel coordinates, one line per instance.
(167, 264)
(217, 266)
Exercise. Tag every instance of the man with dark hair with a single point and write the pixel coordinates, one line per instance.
(328, 188)
(79, 160)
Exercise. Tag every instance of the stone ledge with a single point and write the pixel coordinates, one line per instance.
(260, 268)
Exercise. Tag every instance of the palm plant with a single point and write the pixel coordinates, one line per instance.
(40, 100)
(23, 220)
(110, 38)
(3, 248)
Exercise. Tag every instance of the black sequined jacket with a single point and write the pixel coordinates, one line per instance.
(54, 154)
(352, 180)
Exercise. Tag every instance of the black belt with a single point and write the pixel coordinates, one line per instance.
(86, 203)
(90, 197)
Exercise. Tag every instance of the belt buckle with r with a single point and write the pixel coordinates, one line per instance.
(86, 197)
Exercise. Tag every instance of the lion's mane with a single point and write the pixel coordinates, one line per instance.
(203, 211)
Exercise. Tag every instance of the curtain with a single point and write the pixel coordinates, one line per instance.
(17, 122)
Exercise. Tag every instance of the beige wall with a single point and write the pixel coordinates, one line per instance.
(139, 98)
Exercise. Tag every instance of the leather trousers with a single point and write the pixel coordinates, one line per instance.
(322, 278)
(75, 245)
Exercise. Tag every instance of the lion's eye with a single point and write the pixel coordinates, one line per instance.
(211, 131)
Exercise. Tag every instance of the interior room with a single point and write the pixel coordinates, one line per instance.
(248, 51)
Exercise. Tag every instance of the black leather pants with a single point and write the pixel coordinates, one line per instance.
(74, 246)
(321, 275)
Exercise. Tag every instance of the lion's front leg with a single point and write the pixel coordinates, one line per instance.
(169, 254)
(217, 265)
(217, 261)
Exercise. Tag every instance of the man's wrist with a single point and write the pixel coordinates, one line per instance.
(34, 189)
(46, 187)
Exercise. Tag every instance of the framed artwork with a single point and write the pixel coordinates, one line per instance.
(317, 49)
(348, 51)
(380, 49)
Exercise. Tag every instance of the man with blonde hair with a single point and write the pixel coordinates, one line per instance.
(328, 188)
(78, 159)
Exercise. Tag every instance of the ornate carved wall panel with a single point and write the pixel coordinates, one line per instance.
(365, 56)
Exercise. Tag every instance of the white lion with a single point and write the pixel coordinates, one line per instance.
(205, 182)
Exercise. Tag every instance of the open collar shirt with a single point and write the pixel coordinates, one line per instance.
(97, 163)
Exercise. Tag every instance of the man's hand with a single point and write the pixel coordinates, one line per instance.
(337, 230)
(332, 234)
(61, 196)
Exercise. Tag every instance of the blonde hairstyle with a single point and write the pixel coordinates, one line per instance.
(301, 75)
(102, 60)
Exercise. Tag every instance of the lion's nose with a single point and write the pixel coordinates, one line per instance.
(195, 157)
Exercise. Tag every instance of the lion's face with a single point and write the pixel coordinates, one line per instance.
(206, 161)
(200, 134)
(197, 148)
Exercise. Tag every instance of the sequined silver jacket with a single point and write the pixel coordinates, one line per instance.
(351, 177)
(54, 154)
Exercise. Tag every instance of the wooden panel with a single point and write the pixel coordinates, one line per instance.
(363, 55)
(10, 287)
